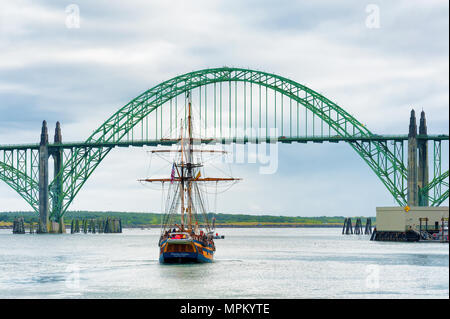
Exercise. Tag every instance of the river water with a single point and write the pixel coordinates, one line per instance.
(249, 263)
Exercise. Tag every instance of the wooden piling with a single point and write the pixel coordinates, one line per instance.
(358, 227)
(93, 222)
(100, 225)
(106, 227)
(348, 228)
(368, 229)
(345, 225)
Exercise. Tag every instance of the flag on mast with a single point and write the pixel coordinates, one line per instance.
(172, 175)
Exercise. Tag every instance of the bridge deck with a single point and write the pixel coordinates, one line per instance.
(281, 139)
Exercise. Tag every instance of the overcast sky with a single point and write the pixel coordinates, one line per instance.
(375, 69)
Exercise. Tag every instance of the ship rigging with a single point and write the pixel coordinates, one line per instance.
(186, 231)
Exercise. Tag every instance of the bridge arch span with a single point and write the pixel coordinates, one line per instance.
(77, 169)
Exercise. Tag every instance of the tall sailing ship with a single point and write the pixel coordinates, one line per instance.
(186, 231)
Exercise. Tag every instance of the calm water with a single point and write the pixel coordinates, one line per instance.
(250, 263)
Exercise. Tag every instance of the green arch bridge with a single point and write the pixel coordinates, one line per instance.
(233, 105)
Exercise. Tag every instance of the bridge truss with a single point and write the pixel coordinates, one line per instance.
(233, 106)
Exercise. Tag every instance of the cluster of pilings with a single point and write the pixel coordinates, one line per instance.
(358, 230)
(33, 228)
(108, 225)
(19, 226)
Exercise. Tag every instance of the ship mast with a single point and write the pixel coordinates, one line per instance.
(189, 164)
(185, 174)
(182, 179)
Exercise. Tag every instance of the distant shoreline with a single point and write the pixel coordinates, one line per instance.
(259, 226)
(228, 226)
(153, 220)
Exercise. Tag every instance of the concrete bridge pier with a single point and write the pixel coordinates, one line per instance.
(57, 155)
(423, 161)
(45, 224)
(413, 194)
(418, 171)
(43, 181)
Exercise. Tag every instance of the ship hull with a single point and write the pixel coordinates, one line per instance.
(185, 251)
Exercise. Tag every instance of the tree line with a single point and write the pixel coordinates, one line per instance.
(133, 219)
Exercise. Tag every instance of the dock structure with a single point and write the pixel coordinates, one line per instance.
(410, 224)
(444, 227)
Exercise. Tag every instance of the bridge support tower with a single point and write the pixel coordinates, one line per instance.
(57, 155)
(417, 162)
(56, 225)
(43, 181)
(413, 192)
(401, 224)
(423, 161)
